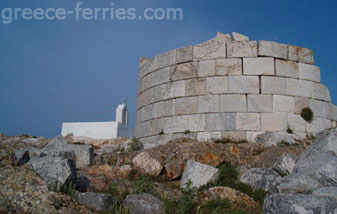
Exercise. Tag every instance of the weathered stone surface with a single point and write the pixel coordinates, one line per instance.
(309, 72)
(165, 59)
(321, 92)
(320, 109)
(330, 191)
(176, 124)
(184, 54)
(206, 68)
(298, 204)
(223, 37)
(187, 105)
(287, 68)
(220, 122)
(298, 183)
(258, 66)
(301, 103)
(198, 174)
(211, 49)
(242, 49)
(248, 121)
(243, 84)
(159, 77)
(273, 85)
(301, 88)
(195, 87)
(262, 178)
(208, 103)
(196, 122)
(296, 123)
(217, 85)
(146, 66)
(145, 98)
(147, 112)
(183, 71)
(273, 49)
(23, 155)
(147, 164)
(234, 135)
(233, 103)
(208, 136)
(274, 122)
(228, 67)
(318, 124)
(273, 138)
(260, 103)
(301, 54)
(144, 203)
(96, 202)
(165, 108)
(285, 164)
(239, 37)
(283, 103)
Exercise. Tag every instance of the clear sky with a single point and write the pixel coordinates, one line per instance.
(69, 70)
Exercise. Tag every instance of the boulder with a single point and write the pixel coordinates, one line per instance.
(262, 178)
(298, 204)
(198, 174)
(32, 152)
(273, 138)
(82, 183)
(298, 183)
(110, 172)
(285, 164)
(131, 145)
(147, 164)
(143, 204)
(330, 191)
(96, 202)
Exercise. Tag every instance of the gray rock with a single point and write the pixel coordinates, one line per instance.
(131, 145)
(298, 183)
(239, 37)
(330, 191)
(198, 174)
(285, 164)
(262, 178)
(96, 202)
(143, 204)
(299, 204)
(273, 138)
(241, 170)
(32, 153)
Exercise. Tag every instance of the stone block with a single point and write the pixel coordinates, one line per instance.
(233, 103)
(301, 88)
(142, 129)
(220, 122)
(196, 122)
(195, 87)
(146, 82)
(148, 112)
(184, 54)
(301, 103)
(333, 112)
(242, 49)
(165, 59)
(211, 49)
(169, 91)
(159, 77)
(217, 85)
(228, 67)
(287, 68)
(206, 68)
(258, 66)
(248, 121)
(223, 37)
(186, 105)
(309, 72)
(273, 85)
(274, 122)
(144, 98)
(183, 71)
(321, 92)
(208, 103)
(318, 125)
(176, 124)
(320, 109)
(165, 108)
(243, 84)
(146, 66)
(208, 136)
(234, 135)
(273, 49)
(301, 54)
(296, 123)
(283, 103)
(239, 37)
(259, 103)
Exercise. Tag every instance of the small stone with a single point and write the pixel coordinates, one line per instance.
(285, 164)
(147, 164)
(144, 203)
(96, 202)
(262, 178)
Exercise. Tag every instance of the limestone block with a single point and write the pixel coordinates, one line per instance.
(179, 88)
(248, 121)
(165, 108)
(274, 122)
(301, 103)
(149, 112)
(146, 66)
(233, 103)
(320, 109)
(156, 126)
(169, 91)
(146, 82)
(333, 112)
(318, 125)
(211, 49)
(243, 84)
(229, 67)
(300, 88)
(321, 92)
(239, 37)
(144, 98)
(183, 71)
(273, 49)
(165, 59)
(301, 54)
(258, 66)
(187, 105)
(208, 136)
(196, 122)
(217, 85)
(273, 85)
(251, 135)
(176, 124)
(208, 103)
(195, 87)
(220, 122)
(142, 129)
(309, 72)
(184, 54)
(283, 103)
(296, 123)
(259, 103)
(206, 68)
(287, 68)
(234, 135)
(242, 49)
(159, 77)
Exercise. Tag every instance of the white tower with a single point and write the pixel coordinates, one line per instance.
(122, 113)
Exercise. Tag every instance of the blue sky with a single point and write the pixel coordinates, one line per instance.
(55, 71)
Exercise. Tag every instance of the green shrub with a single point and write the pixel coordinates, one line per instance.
(133, 145)
(219, 207)
(228, 140)
(161, 132)
(307, 114)
(187, 132)
(143, 184)
(290, 131)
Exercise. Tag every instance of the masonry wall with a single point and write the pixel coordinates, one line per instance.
(230, 87)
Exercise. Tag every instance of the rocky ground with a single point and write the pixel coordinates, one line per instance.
(81, 175)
